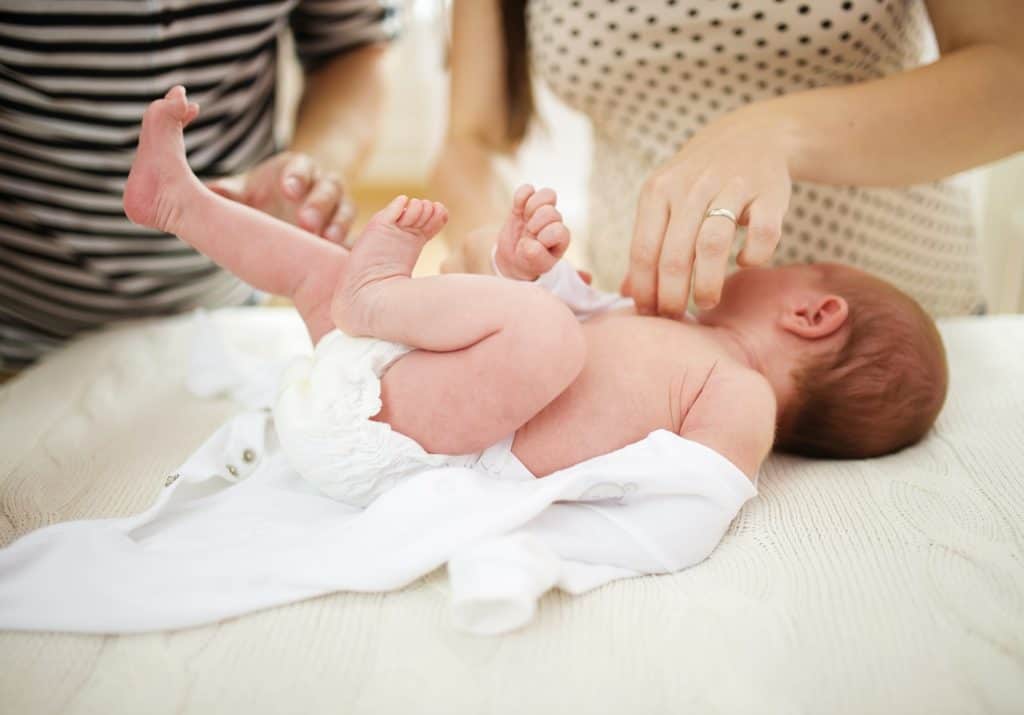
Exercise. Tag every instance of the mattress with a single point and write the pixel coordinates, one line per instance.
(882, 586)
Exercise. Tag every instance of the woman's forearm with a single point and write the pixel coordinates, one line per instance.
(339, 112)
(959, 112)
(465, 179)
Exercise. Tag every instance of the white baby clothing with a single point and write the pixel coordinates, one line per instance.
(217, 545)
(220, 542)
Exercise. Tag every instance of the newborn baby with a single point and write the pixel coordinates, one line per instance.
(822, 360)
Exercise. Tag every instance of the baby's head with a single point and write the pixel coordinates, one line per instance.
(859, 365)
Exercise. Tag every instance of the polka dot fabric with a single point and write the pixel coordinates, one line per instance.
(651, 74)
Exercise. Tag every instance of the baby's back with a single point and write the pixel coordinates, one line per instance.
(641, 374)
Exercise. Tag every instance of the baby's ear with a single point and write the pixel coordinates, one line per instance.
(816, 316)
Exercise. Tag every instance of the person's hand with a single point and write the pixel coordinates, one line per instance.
(739, 163)
(291, 187)
(533, 238)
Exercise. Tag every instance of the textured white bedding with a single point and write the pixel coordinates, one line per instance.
(895, 585)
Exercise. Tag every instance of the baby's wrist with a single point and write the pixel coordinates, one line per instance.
(504, 269)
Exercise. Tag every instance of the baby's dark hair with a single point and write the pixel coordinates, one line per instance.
(884, 387)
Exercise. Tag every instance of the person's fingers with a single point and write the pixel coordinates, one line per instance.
(519, 199)
(541, 197)
(764, 228)
(340, 225)
(585, 276)
(543, 216)
(297, 177)
(321, 203)
(534, 257)
(714, 241)
(648, 231)
(675, 263)
(555, 238)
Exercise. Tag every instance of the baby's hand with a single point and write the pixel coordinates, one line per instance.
(533, 238)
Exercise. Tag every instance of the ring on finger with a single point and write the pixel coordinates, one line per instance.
(723, 212)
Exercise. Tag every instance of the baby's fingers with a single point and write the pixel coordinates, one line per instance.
(555, 238)
(533, 258)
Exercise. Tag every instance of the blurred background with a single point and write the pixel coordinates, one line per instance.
(557, 153)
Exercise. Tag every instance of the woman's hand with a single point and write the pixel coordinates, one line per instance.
(290, 186)
(740, 163)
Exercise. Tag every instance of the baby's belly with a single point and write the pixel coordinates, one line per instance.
(628, 388)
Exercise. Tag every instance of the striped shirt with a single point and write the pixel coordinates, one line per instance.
(75, 78)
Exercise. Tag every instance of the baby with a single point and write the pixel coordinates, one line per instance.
(820, 360)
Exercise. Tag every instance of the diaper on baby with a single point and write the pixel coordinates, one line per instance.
(324, 414)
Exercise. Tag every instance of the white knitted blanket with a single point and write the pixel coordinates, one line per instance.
(889, 586)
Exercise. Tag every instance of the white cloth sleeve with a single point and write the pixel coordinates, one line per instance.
(576, 547)
(621, 525)
(564, 282)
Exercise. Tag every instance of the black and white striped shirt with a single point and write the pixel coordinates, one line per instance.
(75, 78)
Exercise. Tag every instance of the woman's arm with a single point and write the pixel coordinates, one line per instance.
(465, 176)
(965, 110)
(959, 112)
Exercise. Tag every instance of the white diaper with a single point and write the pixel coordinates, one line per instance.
(323, 419)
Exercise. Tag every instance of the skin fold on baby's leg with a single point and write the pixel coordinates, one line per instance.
(491, 353)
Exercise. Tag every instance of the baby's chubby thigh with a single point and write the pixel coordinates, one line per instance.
(464, 401)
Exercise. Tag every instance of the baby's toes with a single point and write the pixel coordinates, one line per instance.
(191, 113)
(426, 213)
(391, 213)
(175, 102)
(546, 214)
(410, 218)
(555, 238)
(436, 219)
(541, 198)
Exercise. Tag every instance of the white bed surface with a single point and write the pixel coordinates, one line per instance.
(895, 585)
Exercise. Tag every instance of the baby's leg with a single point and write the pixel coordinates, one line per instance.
(492, 352)
(276, 257)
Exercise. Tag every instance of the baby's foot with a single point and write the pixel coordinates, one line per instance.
(533, 238)
(386, 250)
(153, 194)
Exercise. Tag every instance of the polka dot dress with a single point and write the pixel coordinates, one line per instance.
(650, 74)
